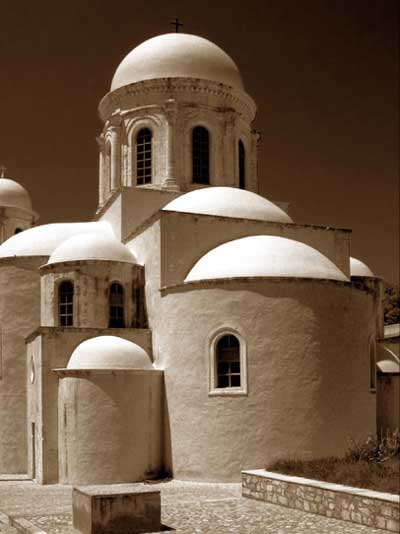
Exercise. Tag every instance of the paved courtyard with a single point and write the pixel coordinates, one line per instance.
(187, 508)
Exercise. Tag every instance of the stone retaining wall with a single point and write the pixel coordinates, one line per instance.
(366, 507)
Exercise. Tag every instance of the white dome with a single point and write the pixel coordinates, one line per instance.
(228, 202)
(177, 55)
(109, 352)
(388, 366)
(43, 240)
(14, 195)
(263, 255)
(91, 246)
(359, 268)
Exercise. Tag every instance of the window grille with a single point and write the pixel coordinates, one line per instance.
(66, 303)
(116, 303)
(143, 156)
(200, 155)
(228, 362)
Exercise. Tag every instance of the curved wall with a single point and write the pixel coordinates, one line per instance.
(109, 427)
(307, 368)
(19, 316)
(92, 280)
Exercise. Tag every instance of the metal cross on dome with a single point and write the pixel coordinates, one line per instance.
(3, 169)
(176, 23)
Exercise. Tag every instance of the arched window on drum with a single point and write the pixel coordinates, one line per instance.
(116, 306)
(144, 142)
(66, 303)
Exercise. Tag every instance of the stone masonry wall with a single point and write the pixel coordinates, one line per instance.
(366, 507)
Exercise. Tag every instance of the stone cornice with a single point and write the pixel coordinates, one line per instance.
(147, 91)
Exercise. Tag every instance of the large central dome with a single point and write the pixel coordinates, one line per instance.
(177, 55)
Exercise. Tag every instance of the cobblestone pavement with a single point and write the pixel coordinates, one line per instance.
(187, 508)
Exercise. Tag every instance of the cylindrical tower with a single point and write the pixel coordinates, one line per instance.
(177, 117)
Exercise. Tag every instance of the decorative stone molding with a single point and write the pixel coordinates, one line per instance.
(362, 506)
(183, 89)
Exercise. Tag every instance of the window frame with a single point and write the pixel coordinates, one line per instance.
(59, 286)
(117, 283)
(151, 151)
(192, 153)
(215, 391)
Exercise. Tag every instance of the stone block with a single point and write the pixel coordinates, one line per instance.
(115, 509)
(393, 525)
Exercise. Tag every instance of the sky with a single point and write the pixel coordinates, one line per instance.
(324, 75)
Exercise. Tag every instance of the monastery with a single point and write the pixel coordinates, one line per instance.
(192, 328)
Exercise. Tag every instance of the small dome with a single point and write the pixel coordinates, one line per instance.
(109, 352)
(43, 240)
(91, 246)
(262, 255)
(177, 55)
(228, 202)
(388, 366)
(359, 268)
(14, 195)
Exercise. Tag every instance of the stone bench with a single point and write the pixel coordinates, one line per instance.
(116, 509)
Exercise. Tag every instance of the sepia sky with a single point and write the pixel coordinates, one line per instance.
(323, 73)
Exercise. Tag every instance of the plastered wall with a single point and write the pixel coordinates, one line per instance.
(51, 348)
(307, 367)
(19, 315)
(110, 427)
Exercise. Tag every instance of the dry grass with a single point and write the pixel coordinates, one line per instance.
(373, 464)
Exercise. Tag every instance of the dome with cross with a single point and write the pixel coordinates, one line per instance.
(177, 55)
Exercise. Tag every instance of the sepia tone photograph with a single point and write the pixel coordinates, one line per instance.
(199, 267)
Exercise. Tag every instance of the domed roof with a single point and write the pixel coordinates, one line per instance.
(109, 352)
(42, 240)
(388, 366)
(91, 246)
(228, 202)
(359, 268)
(177, 55)
(262, 255)
(14, 195)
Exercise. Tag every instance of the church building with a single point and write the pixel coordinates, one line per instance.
(192, 328)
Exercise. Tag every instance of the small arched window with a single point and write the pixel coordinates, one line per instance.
(242, 165)
(372, 366)
(18, 230)
(143, 156)
(116, 306)
(66, 303)
(200, 155)
(228, 362)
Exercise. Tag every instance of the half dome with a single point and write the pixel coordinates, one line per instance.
(91, 246)
(359, 268)
(12, 194)
(177, 55)
(43, 240)
(228, 202)
(109, 352)
(264, 256)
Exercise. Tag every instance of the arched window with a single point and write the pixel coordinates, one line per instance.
(116, 306)
(18, 230)
(143, 156)
(242, 165)
(108, 165)
(372, 366)
(200, 155)
(228, 362)
(66, 303)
